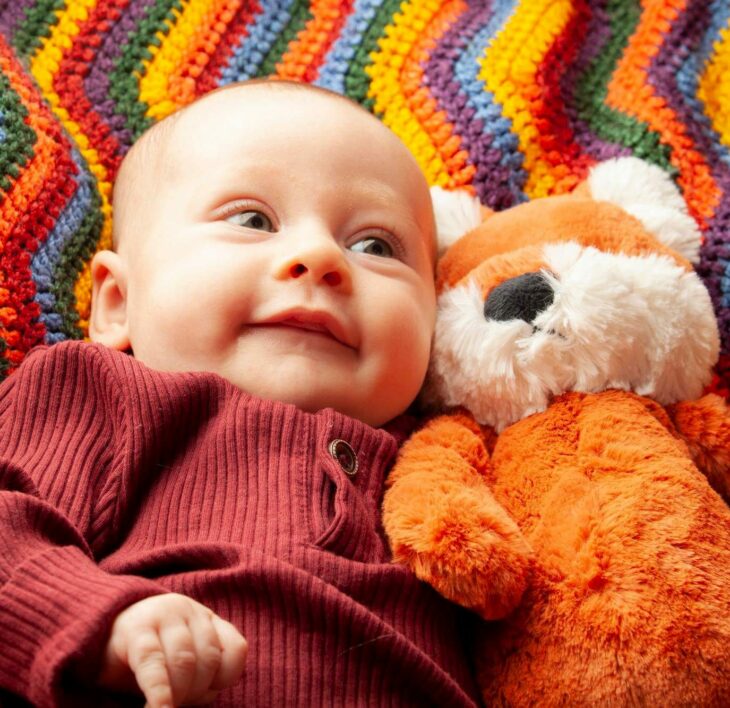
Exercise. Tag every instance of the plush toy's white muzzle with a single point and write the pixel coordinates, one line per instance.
(643, 324)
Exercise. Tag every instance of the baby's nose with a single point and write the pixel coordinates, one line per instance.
(316, 259)
(331, 277)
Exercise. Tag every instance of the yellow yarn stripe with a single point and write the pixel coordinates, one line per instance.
(714, 87)
(44, 66)
(390, 100)
(508, 69)
(154, 86)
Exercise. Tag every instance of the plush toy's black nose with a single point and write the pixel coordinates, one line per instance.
(520, 298)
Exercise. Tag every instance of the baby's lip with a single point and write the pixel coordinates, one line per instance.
(313, 321)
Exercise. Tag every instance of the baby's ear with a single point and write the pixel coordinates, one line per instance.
(457, 212)
(108, 323)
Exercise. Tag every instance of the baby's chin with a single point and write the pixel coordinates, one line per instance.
(312, 395)
(311, 383)
(307, 395)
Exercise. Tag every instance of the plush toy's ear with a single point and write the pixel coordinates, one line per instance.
(648, 193)
(457, 212)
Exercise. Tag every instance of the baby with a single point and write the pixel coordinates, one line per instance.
(273, 278)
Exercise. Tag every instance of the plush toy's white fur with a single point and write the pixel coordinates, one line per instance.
(643, 190)
(636, 323)
(648, 193)
(456, 213)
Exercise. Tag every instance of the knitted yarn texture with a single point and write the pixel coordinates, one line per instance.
(514, 99)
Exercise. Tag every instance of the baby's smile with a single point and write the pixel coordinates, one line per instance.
(312, 322)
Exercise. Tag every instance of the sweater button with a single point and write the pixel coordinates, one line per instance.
(345, 456)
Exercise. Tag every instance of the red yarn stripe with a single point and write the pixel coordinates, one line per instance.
(68, 83)
(19, 325)
(569, 164)
(236, 30)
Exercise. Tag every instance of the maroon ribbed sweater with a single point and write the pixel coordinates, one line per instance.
(118, 482)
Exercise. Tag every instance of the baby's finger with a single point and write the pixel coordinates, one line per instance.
(180, 658)
(146, 659)
(233, 658)
(208, 653)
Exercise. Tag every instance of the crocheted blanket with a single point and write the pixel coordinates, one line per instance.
(516, 98)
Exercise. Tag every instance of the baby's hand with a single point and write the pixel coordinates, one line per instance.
(173, 649)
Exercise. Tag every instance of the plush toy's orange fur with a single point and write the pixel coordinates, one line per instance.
(595, 532)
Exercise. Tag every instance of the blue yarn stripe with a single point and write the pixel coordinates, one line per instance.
(337, 61)
(485, 104)
(255, 44)
(691, 70)
(48, 254)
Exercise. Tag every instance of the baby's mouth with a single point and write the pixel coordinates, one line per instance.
(318, 323)
(306, 326)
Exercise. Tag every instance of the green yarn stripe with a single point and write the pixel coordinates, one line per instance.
(39, 18)
(124, 78)
(299, 16)
(16, 149)
(76, 252)
(357, 82)
(592, 89)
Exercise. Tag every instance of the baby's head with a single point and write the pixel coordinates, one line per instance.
(281, 237)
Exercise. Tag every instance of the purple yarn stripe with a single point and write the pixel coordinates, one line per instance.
(598, 33)
(96, 83)
(445, 88)
(11, 15)
(684, 37)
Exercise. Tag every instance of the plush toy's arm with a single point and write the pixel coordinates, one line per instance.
(704, 425)
(443, 522)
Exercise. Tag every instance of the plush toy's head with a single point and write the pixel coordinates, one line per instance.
(580, 292)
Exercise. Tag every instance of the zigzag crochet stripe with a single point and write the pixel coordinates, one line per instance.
(714, 85)
(632, 92)
(165, 82)
(399, 96)
(513, 99)
(509, 71)
(338, 60)
(305, 55)
(494, 147)
(31, 204)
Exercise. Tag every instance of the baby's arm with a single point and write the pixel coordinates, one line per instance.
(174, 649)
(63, 618)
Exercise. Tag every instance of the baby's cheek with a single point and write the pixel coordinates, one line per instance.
(407, 347)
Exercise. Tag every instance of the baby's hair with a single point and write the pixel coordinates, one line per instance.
(147, 150)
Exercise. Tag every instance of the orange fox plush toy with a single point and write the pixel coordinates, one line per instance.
(577, 491)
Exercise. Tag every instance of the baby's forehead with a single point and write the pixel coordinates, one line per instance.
(268, 126)
(276, 110)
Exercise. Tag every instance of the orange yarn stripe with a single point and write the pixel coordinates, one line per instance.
(306, 53)
(182, 83)
(31, 181)
(425, 107)
(631, 92)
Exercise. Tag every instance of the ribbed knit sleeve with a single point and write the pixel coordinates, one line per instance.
(61, 465)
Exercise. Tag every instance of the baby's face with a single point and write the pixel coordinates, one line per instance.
(285, 244)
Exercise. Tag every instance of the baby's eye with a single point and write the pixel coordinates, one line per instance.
(251, 220)
(373, 246)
